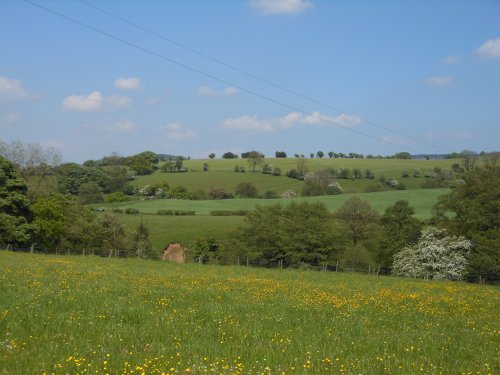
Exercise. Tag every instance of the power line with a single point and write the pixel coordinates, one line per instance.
(251, 75)
(215, 78)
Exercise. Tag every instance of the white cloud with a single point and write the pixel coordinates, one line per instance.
(254, 124)
(280, 6)
(124, 125)
(153, 101)
(132, 83)
(208, 91)
(94, 101)
(12, 89)
(490, 49)
(452, 59)
(9, 119)
(176, 132)
(439, 80)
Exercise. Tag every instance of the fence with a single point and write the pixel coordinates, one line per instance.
(246, 262)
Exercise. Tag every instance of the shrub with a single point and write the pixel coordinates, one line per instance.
(333, 188)
(435, 256)
(117, 210)
(416, 172)
(277, 172)
(431, 183)
(246, 190)
(373, 188)
(176, 212)
(218, 193)
(369, 174)
(237, 168)
(405, 174)
(267, 169)
(117, 197)
(228, 213)
(131, 211)
(289, 194)
(312, 188)
(270, 194)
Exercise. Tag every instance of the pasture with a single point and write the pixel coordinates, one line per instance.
(82, 315)
(221, 173)
(186, 229)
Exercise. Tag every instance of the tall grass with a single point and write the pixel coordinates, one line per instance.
(91, 315)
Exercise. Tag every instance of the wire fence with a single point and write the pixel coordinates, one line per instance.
(485, 278)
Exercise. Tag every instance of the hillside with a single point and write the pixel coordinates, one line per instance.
(74, 314)
(221, 173)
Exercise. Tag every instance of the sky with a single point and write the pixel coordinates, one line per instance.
(190, 78)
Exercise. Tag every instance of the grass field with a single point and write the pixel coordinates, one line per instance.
(186, 229)
(221, 173)
(83, 315)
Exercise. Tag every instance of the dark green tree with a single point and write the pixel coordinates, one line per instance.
(357, 216)
(16, 214)
(246, 190)
(90, 192)
(476, 208)
(399, 229)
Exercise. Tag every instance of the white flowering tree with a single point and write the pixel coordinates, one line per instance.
(435, 256)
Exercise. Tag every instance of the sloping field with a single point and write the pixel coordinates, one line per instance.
(221, 173)
(82, 315)
(186, 229)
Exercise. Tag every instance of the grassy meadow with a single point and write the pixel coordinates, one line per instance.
(221, 173)
(186, 229)
(83, 315)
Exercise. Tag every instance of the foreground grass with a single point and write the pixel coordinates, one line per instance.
(91, 315)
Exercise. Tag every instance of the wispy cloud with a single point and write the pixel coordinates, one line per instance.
(208, 91)
(123, 125)
(490, 49)
(12, 89)
(452, 59)
(439, 80)
(94, 101)
(280, 6)
(132, 83)
(176, 132)
(249, 123)
(9, 119)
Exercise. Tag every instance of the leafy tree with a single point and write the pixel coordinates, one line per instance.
(246, 190)
(205, 250)
(16, 214)
(150, 156)
(211, 155)
(35, 164)
(280, 154)
(320, 154)
(118, 178)
(115, 239)
(330, 154)
(141, 245)
(140, 164)
(476, 208)
(205, 167)
(435, 256)
(300, 232)
(255, 158)
(402, 155)
(229, 155)
(90, 192)
(399, 229)
(357, 215)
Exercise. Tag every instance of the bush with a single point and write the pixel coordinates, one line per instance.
(373, 188)
(117, 210)
(311, 189)
(416, 172)
(237, 168)
(267, 169)
(369, 174)
(405, 174)
(246, 190)
(131, 211)
(270, 194)
(333, 188)
(289, 194)
(218, 193)
(176, 212)
(435, 256)
(431, 183)
(277, 172)
(228, 213)
(117, 197)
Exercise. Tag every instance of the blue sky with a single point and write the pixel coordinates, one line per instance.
(417, 76)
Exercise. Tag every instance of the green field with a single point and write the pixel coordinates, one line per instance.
(186, 229)
(221, 173)
(82, 315)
